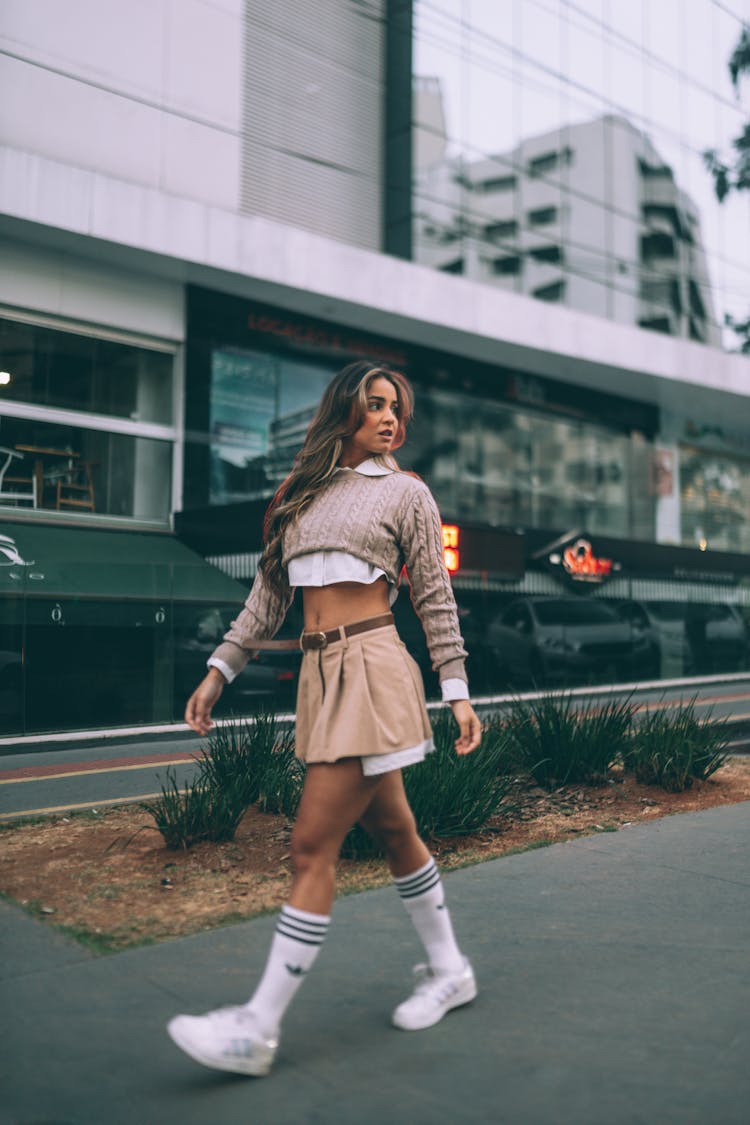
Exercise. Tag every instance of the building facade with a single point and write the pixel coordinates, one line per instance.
(203, 215)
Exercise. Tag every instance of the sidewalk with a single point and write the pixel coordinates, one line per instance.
(614, 990)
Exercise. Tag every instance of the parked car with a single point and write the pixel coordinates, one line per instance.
(663, 624)
(548, 639)
(271, 677)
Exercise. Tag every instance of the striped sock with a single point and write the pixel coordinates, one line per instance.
(422, 895)
(296, 943)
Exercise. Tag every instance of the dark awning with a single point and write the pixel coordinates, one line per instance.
(42, 560)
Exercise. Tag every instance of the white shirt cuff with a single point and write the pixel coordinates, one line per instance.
(454, 689)
(226, 671)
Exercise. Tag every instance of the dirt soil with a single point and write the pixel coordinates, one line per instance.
(109, 880)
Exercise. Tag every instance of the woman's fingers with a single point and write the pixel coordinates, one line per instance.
(200, 704)
(469, 726)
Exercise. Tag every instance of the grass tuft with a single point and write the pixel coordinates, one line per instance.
(673, 748)
(561, 743)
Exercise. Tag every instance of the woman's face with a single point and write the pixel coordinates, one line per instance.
(379, 426)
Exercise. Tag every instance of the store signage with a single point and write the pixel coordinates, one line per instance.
(582, 564)
(309, 334)
(451, 553)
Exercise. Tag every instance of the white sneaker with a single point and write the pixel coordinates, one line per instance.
(436, 993)
(226, 1039)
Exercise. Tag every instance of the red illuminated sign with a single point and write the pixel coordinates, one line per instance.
(451, 536)
(581, 563)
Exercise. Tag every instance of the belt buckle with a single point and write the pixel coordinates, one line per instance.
(315, 641)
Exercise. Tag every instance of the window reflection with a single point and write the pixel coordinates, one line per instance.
(715, 500)
(503, 92)
(500, 465)
(260, 408)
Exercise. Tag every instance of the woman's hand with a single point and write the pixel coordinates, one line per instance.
(470, 726)
(202, 701)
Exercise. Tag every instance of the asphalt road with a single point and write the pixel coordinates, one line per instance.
(113, 771)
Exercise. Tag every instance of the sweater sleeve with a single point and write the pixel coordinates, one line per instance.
(260, 620)
(421, 539)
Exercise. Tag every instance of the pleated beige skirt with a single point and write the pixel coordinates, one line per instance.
(358, 697)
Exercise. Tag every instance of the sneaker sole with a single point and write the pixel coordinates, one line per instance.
(253, 1068)
(464, 996)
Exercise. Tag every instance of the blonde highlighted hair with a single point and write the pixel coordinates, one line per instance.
(340, 414)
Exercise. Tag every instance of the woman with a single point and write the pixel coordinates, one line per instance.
(342, 526)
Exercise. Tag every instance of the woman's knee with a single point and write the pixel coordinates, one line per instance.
(394, 833)
(309, 851)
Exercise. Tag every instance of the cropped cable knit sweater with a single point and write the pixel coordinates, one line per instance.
(389, 520)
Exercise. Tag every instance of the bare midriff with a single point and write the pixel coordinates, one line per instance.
(343, 603)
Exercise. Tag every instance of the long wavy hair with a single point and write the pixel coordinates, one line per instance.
(340, 414)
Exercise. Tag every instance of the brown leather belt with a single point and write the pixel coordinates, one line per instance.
(309, 641)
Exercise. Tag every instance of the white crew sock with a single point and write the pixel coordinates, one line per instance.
(296, 943)
(422, 895)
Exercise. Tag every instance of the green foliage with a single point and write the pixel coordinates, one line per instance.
(245, 763)
(451, 795)
(672, 747)
(254, 762)
(199, 812)
(562, 744)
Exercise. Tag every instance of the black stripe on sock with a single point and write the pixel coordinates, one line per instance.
(406, 881)
(308, 937)
(287, 912)
(420, 886)
(303, 923)
(296, 937)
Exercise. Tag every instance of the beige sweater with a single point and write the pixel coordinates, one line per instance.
(389, 521)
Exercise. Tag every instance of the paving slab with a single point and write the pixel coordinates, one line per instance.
(614, 990)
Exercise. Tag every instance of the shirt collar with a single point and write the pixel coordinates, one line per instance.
(369, 468)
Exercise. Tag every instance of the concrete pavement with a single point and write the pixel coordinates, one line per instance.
(614, 988)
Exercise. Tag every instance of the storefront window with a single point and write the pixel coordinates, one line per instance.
(64, 369)
(65, 468)
(260, 408)
(506, 466)
(86, 424)
(715, 500)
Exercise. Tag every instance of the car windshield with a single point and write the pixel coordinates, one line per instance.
(572, 611)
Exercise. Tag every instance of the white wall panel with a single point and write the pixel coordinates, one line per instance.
(212, 178)
(64, 119)
(148, 91)
(61, 284)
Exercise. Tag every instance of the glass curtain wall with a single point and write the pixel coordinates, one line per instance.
(503, 465)
(559, 152)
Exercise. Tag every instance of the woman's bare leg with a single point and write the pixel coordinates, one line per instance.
(334, 797)
(390, 821)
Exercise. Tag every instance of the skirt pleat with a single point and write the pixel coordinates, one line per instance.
(358, 697)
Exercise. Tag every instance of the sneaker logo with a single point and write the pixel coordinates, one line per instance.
(295, 970)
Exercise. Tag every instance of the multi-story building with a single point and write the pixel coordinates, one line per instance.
(589, 216)
(207, 208)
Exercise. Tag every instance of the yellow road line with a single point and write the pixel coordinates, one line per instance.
(73, 808)
(94, 772)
